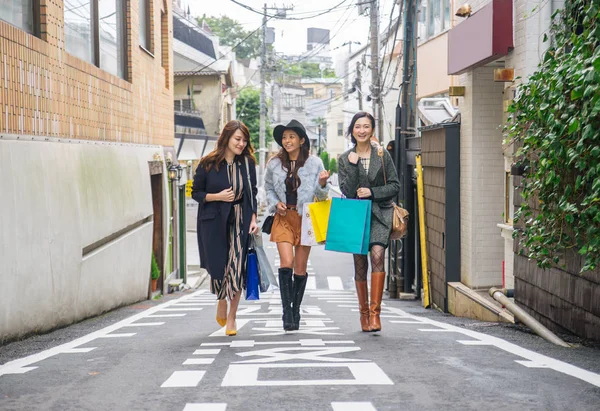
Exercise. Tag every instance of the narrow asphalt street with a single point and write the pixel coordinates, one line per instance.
(170, 354)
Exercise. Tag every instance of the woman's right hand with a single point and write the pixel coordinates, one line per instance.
(281, 208)
(353, 157)
(226, 195)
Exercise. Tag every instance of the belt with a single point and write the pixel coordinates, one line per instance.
(292, 207)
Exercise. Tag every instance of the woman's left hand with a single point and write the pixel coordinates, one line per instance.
(253, 227)
(323, 176)
(363, 192)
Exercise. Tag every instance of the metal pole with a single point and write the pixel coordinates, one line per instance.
(359, 88)
(375, 80)
(182, 234)
(262, 130)
(526, 319)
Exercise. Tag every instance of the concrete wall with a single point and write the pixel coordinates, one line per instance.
(482, 179)
(432, 67)
(57, 200)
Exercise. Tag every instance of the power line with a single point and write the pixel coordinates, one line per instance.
(201, 67)
(291, 18)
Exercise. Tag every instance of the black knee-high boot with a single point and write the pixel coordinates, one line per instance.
(299, 287)
(286, 288)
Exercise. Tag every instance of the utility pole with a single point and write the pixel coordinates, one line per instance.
(263, 105)
(359, 86)
(375, 77)
(407, 128)
(280, 13)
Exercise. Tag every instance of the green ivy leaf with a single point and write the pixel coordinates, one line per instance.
(573, 125)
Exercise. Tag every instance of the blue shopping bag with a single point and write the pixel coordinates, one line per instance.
(252, 276)
(349, 227)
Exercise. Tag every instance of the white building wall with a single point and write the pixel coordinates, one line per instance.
(58, 199)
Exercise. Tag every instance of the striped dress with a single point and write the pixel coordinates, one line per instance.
(233, 280)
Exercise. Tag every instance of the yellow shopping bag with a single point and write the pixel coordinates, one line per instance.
(319, 214)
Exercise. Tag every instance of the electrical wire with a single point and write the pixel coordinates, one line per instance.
(201, 67)
(291, 18)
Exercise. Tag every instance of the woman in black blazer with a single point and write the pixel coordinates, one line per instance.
(225, 188)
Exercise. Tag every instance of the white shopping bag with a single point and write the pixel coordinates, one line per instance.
(307, 233)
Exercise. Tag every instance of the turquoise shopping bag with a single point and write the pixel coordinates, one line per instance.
(349, 227)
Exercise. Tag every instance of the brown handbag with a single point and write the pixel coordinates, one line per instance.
(400, 215)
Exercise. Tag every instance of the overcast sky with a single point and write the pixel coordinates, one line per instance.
(344, 22)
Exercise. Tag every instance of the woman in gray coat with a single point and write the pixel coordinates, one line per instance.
(367, 172)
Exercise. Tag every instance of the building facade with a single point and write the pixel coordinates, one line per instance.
(85, 119)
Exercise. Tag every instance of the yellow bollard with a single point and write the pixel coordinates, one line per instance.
(421, 202)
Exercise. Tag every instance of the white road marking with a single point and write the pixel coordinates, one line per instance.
(311, 283)
(183, 379)
(335, 283)
(144, 324)
(79, 350)
(207, 351)
(435, 330)
(556, 365)
(221, 331)
(406, 322)
(205, 407)
(20, 365)
(182, 309)
(532, 364)
(316, 342)
(469, 342)
(117, 335)
(198, 361)
(246, 375)
(166, 315)
(352, 406)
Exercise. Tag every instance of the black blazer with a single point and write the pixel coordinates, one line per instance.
(212, 216)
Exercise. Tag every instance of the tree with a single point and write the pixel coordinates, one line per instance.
(325, 159)
(307, 70)
(333, 168)
(231, 33)
(248, 111)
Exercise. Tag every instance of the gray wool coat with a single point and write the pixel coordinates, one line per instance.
(354, 176)
(309, 183)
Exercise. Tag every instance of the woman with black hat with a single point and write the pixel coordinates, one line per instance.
(293, 178)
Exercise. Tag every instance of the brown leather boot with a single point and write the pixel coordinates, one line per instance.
(377, 282)
(362, 290)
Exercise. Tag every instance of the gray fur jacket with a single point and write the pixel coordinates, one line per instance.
(309, 183)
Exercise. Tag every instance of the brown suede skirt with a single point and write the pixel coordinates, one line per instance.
(286, 229)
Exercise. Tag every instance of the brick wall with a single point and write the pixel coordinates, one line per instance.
(48, 92)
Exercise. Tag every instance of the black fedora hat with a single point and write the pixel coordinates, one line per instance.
(292, 125)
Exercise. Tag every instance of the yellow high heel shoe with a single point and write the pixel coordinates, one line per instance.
(233, 332)
(221, 320)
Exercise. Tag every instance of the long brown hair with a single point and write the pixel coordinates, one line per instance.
(303, 155)
(216, 157)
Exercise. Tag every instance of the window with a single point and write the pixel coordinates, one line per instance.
(340, 129)
(21, 13)
(79, 30)
(310, 92)
(95, 32)
(331, 93)
(145, 25)
(434, 18)
(112, 36)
